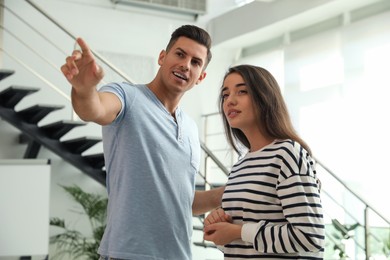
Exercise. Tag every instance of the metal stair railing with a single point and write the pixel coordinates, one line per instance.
(369, 237)
(97, 55)
(44, 37)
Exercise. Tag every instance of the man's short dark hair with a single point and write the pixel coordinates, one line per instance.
(194, 33)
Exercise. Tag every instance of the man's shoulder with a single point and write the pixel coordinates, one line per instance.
(123, 88)
(123, 85)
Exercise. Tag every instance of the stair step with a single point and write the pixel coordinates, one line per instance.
(81, 144)
(36, 113)
(205, 245)
(11, 96)
(95, 160)
(58, 129)
(5, 73)
(198, 228)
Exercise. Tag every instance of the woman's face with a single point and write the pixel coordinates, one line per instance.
(237, 103)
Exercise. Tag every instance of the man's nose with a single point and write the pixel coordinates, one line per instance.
(185, 65)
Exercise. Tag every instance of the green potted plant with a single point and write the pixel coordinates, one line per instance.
(72, 242)
(386, 247)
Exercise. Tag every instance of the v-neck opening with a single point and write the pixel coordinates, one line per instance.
(176, 120)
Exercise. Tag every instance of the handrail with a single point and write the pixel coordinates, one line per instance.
(210, 114)
(36, 74)
(214, 158)
(29, 47)
(44, 37)
(32, 28)
(351, 191)
(101, 58)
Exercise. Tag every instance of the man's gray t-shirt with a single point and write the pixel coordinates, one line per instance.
(151, 162)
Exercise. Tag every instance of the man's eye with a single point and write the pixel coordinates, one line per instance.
(195, 62)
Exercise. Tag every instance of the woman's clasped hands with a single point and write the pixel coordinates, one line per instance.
(218, 228)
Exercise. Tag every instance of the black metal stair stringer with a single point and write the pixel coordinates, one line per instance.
(34, 132)
(32, 150)
(26, 121)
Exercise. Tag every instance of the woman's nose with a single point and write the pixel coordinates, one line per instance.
(230, 100)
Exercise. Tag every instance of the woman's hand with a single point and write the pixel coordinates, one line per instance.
(217, 215)
(222, 233)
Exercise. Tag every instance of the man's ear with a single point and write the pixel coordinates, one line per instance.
(161, 57)
(201, 77)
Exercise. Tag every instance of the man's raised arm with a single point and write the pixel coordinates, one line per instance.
(84, 74)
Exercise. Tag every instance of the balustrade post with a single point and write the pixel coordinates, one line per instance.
(366, 234)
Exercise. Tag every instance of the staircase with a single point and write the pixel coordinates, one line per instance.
(49, 135)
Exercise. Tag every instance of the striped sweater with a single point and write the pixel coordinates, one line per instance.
(275, 194)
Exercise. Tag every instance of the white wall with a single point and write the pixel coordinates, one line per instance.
(25, 187)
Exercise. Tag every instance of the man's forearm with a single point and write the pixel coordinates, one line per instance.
(85, 103)
(205, 201)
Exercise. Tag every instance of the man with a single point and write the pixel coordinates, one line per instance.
(151, 149)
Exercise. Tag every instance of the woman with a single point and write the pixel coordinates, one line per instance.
(271, 206)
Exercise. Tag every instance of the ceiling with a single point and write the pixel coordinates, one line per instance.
(263, 20)
(241, 24)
